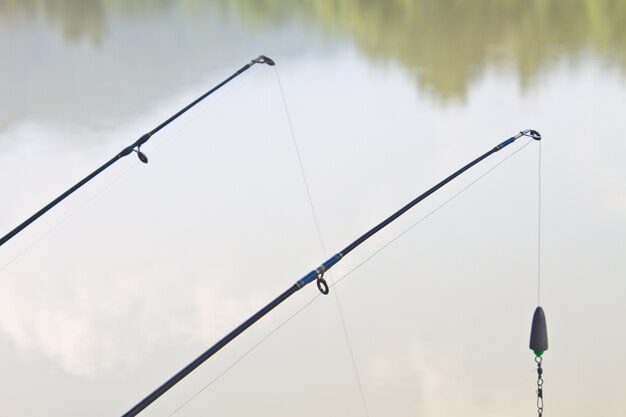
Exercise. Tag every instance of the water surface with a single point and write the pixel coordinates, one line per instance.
(132, 277)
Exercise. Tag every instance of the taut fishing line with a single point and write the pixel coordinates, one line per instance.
(539, 226)
(334, 284)
(256, 345)
(66, 218)
(304, 179)
(323, 247)
(539, 332)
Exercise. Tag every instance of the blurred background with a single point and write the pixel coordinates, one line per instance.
(133, 276)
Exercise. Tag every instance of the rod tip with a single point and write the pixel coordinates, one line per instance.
(532, 134)
(262, 59)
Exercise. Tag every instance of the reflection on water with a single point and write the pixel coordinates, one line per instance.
(76, 19)
(168, 257)
(98, 65)
(445, 45)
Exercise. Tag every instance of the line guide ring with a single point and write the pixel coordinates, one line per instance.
(322, 285)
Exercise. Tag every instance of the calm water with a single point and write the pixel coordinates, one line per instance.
(122, 284)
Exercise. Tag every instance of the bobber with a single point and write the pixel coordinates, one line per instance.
(539, 344)
(539, 332)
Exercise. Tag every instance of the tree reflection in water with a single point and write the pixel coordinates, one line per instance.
(444, 44)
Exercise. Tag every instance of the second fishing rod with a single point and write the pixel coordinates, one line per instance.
(134, 147)
(316, 275)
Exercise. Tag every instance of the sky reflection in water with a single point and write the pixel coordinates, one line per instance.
(386, 98)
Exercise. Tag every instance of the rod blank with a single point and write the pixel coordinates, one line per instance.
(135, 146)
(316, 274)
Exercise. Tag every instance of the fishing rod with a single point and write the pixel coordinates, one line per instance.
(134, 147)
(315, 275)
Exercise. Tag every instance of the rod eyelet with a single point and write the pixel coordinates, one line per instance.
(322, 285)
(142, 156)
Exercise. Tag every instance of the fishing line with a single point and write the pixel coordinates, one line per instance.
(335, 283)
(539, 229)
(304, 178)
(539, 331)
(256, 345)
(431, 212)
(66, 218)
(321, 240)
(174, 131)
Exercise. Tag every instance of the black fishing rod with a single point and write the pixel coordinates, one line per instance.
(134, 147)
(315, 275)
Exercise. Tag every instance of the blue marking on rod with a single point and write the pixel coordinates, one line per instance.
(332, 261)
(505, 143)
(307, 279)
(312, 276)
